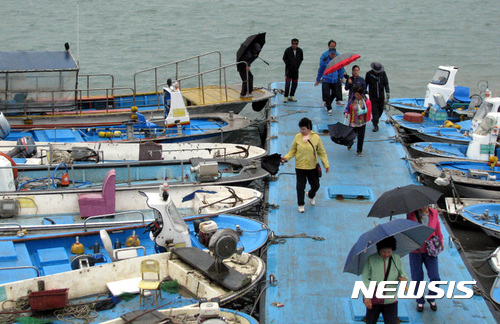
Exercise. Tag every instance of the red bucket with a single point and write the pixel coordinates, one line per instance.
(48, 299)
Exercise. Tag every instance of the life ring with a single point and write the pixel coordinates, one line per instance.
(12, 163)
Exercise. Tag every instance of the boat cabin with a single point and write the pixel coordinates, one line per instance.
(37, 81)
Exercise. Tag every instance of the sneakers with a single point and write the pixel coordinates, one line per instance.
(292, 99)
(375, 129)
(302, 209)
(360, 154)
(330, 112)
(285, 100)
(311, 200)
(340, 103)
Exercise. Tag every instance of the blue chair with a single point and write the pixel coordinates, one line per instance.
(461, 94)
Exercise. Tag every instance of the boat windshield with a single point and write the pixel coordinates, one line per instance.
(486, 126)
(483, 110)
(440, 77)
(176, 218)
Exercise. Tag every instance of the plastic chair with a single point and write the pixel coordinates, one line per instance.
(103, 203)
(148, 268)
(461, 95)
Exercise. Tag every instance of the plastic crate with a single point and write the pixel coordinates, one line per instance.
(48, 299)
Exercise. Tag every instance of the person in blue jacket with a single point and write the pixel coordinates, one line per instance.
(330, 82)
(331, 44)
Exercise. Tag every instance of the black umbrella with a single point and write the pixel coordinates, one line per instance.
(248, 43)
(271, 163)
(403, 200)
(342, 134)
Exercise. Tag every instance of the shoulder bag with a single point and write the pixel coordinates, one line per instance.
(379, 301)
(433, 246)
(318, 167)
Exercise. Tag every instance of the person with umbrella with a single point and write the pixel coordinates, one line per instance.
(306, 148)
(383, 266)
(249, 55)
(330, 82)
(377, 82)
(358, 111)
(422, 256)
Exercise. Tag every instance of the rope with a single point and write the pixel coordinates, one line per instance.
(10, 314)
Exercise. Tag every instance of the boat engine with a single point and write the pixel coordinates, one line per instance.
(205, 230)
(25, 148)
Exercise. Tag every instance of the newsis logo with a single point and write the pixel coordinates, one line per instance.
(406, 289)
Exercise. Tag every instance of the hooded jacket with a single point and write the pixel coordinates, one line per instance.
(333, 77)
(433, 222)
(376, 84)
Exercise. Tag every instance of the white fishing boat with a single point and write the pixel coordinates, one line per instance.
(26, 151)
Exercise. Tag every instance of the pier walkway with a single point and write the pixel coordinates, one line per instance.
(307, 279)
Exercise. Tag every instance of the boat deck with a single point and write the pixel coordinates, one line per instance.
(306, 275)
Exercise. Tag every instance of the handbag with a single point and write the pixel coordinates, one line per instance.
(318, 167)
(379, 301)
(433, 246)
(361, 108)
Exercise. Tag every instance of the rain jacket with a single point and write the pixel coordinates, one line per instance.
(373, 270)
(434, 223)
(356, 83)
(305, 159)
(376, 84)
(333, 77)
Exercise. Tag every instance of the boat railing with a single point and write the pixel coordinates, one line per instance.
(23, 267)
(55, 101)
(90, 77)
(84, 183)
(112, 215)
(156, 69)
(214, 148)
(200, 76)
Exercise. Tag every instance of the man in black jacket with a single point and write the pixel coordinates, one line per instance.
(292, 57)
(376, 81)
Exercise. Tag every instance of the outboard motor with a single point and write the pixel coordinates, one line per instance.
(25, 148)
(206, 230)
(4, 126)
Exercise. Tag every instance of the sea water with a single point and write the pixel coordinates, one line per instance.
(410, 38)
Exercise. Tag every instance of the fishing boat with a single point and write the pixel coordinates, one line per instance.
(38, 212)
(441, 85)
(214, 278)
(46, 90)
(483, 215)
(207, 311)
(26, 151)
(43, 254)
(482, 144)
(494, 262)
(469, 178)
(176, 126)
(129, 174)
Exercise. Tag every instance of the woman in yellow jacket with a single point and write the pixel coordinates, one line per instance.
(306, 148)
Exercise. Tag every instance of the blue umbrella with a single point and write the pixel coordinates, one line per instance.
(410, 235)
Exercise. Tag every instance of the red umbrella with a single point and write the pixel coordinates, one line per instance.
(340, 61)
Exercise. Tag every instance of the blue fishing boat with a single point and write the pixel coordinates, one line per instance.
(175, 126)
(483, 215)
(138, 174)
(30, 255)
(46, 90)
(441, 85)
(482, 145)
(494, 261)
(469, 178)
(108, 289)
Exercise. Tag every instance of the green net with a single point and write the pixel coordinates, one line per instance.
(127, 296)
(170, 286)
(31, 320)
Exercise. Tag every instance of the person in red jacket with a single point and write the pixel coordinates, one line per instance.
(429, 217)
